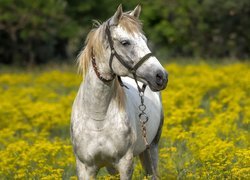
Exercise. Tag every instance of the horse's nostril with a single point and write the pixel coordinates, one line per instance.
(159, 78)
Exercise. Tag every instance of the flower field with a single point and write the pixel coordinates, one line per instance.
(206, 132)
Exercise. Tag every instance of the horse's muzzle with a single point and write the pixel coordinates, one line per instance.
(161, 79)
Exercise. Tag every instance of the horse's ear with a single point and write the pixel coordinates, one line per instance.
(136, 12)
(117, 16)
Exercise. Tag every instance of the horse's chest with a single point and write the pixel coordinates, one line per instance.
(103, 143)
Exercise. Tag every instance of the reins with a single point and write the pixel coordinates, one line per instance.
(143, 117)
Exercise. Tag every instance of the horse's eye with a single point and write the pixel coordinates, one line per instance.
(125, 43)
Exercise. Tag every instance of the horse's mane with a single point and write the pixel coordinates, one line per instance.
(97, 41)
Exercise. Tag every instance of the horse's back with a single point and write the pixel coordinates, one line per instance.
(152, 100)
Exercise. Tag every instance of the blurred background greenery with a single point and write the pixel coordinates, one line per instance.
(41, 31)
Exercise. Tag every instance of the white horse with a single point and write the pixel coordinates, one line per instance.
(105, 127)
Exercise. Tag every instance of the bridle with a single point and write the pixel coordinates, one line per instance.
(131, 69)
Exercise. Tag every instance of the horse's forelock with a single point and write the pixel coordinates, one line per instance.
(130, 23)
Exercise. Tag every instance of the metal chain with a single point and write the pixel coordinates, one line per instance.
(143, 120)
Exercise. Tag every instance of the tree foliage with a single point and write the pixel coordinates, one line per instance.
(33, 30)
(37, 31)
(208, 28)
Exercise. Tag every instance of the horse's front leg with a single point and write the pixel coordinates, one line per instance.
(85, 172)
(125, 166)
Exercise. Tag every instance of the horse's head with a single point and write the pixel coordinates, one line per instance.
(131, 53)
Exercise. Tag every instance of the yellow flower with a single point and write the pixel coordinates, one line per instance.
(205, 133)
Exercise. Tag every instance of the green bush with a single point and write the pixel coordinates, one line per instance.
(33, 31)
(37, 31)
(204, 28)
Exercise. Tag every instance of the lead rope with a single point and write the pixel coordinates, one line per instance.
(143, 117)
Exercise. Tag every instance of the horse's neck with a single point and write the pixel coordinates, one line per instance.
(97, 95)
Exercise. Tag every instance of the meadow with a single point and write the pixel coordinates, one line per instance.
(205, 135)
